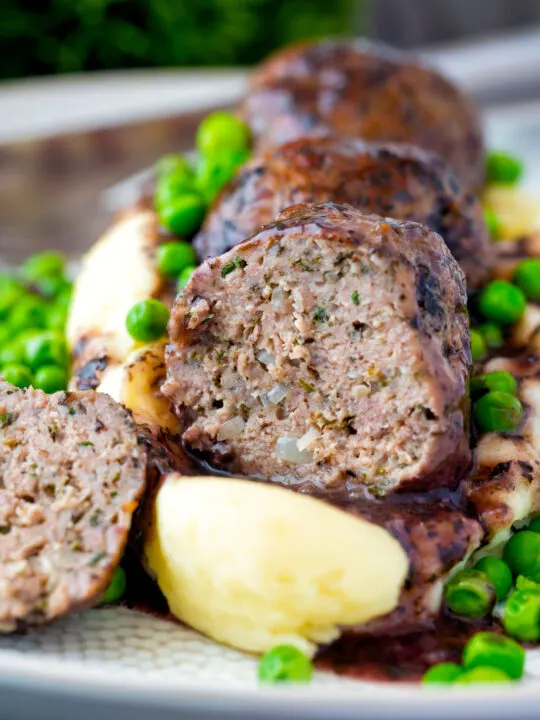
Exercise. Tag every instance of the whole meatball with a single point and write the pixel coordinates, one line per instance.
(366, 90)
(393, 180)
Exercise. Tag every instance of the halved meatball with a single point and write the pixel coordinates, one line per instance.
(72, 472)
(393, 180)
(332, 348)
(367, 90)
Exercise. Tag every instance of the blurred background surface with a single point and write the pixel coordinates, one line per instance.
(93, 90)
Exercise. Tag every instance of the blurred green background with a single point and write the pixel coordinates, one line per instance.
(63, 36)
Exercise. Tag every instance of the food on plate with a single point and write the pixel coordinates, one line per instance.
(392, 180)
(362, 89)
(290, 584)
(72, 476)
(343, 326)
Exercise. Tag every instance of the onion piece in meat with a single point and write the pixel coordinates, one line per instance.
(231, 428)
(279, 298)
(265, 358)
(278, 393)
(307, 440)
(287, 449)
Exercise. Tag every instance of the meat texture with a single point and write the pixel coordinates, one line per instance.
(331, 349)
(393, 180)
(72, 473)
(367, 90)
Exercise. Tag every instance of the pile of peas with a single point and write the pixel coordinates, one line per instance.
(34, 303)
(184, 191)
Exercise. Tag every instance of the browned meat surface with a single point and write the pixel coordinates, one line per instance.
(436, 536)
(332, 347)
(365, 90)
(391, 180)
(72, 473)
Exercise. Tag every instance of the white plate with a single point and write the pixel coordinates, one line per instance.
(115, 663)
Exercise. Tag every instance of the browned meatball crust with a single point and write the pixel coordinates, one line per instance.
(362, 89)
(72, 472)
(332, 348)
(392, 180)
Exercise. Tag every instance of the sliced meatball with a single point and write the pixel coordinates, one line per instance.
(332, 348)
(362, 89)
(393, 180)
(72, 473)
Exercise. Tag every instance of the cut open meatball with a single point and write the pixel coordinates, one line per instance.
(71, 475)
(367, 90)
(393, 180)
(332, 348)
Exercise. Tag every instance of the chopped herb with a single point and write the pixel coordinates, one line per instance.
(320, 315)
(207, 319)
(72, 411)
(6, 419)
(114, 493)
(86, 443)
(116, 478)
(308, 387)
(97, 557)
(4, 529)
(381, 471)
(220, 354)
(50, 489)
(346, 424)
(76, 546)
(355, 297)
(267, 277)
(238, 262)
(302, 265)
(95, 518)
(245, 408)
(365, 268)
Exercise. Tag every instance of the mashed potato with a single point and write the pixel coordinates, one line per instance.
(255, 565)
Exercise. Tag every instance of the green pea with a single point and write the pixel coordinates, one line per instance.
(18, 375)
(498, 573)
(470, 593)
(173, 257)
(524, 583)
(147, 320)
(522, 615)
(527, 277)
(502, 302)
(44, 264)
(185, 276)
(497, 412)
(51, 286)
(498, 380)
(56, 318)
(222, 130)
(534, 525)
(483, 675)
(442, 674)
(12, 353)
(522, 554)
(285, 663)
(486, 649)
(10, 293)
(502, 168)
(493, 223)
(171, 186)
(184, 214)
(5, 335)
(478, 346)
(51, 378)
(492, 335)
(116, 588)
(214, 172)
(29, 312)
(174, 165)
(46, 348)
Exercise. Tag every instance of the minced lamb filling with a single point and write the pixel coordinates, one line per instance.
(311, 365)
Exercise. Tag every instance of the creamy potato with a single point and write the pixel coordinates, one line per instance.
(254, 565)
(517, 211)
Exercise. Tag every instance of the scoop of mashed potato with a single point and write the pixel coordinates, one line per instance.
(255, 565)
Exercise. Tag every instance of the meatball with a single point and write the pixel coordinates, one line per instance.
(394, 180)
(331, 348)
(72, 474)
(366, 90)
